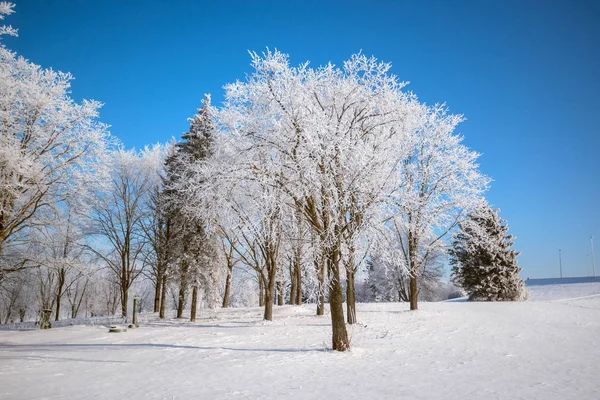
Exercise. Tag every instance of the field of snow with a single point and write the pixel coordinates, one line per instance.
(546, 348)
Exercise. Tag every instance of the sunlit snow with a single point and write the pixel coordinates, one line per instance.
(545, 348)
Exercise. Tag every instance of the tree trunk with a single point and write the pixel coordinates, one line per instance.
(163, 296)
(298, 285)
(414, 293)
(124, 299)
(413, 247)
(292, 283)
(298, 279)
(339, 337)
(157, 286)
(268, 300)
(271, 265)
(321, 281)
(181, 300)
(279, 293)
(194, 303)
(227, 285)
(183, 282)
(124, 283)
(350, 296)
(59, 294)
(261, 293)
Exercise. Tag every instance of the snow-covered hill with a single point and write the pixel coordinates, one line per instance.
(543, 349)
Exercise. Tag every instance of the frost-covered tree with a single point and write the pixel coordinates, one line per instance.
(388, 276)
(483, 261)
(439, 182)
(195, 261)
(120, 209)
(332, 138)
(228, 248)
(62, 255)
(341, 146)
(50, 146)
(7, 8)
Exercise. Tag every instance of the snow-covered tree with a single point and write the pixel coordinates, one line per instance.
(342, 146)
(120, 209)
(388, 276)
(438, 184)
(195, 261)
(61, 254)
(483, 261)
(50, 146)
(7, 8)
(333, 137)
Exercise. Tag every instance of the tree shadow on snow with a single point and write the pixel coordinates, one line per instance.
(115, 346)
(47, 358)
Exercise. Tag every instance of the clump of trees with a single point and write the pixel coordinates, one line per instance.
(82, 220)
(348, 153)
(301, 183)
(483, 261)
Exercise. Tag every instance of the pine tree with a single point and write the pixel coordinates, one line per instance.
(196, 249)
(482, 260)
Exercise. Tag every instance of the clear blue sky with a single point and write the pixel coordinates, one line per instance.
(526, 74)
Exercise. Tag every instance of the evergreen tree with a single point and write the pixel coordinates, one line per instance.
(482, 260)
(196, 249)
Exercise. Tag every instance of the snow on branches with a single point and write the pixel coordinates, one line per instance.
(483, 262)
(348, 149)
(51, 148)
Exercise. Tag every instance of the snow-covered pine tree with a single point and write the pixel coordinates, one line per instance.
(196, 261)
(482, 260)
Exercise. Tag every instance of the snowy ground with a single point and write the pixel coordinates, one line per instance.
(546, 348)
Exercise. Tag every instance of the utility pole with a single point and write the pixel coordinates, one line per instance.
(593, 260)
(560, 263)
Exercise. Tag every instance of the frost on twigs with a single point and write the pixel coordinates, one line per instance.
(7, 8)
(343, 149)
(52, 150)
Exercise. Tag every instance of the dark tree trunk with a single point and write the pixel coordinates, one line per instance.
(298, 279)
(271, 266)
(163, 296)
(124, 299)
(414, 293)
(296, 275)
(279, 293)
(350, 296)
(227, 285)
(339, 337)
(194, 303)
(183, 282)
(124, 286)
(268, 298)
(181, 300)
(321, 288)
(157, 286)
(261, 293)
(59, 294)
(414, 269)
(292, 283)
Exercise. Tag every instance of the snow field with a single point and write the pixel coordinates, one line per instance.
(545, 349)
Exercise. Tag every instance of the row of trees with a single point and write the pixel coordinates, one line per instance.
(303, 181)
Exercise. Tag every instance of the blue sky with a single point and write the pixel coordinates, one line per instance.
(524, 73)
